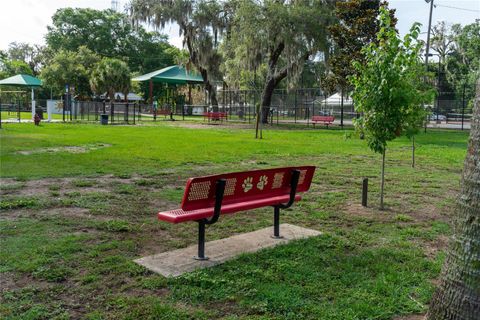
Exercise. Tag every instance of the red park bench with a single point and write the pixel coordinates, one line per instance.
(164, 112)
(206, 198)
(214, 116)
(326, 120)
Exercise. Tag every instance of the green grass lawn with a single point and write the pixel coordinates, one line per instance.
(6, 115)
(78, 204)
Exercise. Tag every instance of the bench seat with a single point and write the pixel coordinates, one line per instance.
(206, 198)
(179, 215)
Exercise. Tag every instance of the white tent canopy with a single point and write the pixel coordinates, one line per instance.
(121, 97)
(335, 100)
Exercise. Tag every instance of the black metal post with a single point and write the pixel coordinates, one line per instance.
(364, 192)
(201, 241)
(219, 191)
(112, 112)
(64, 106)
(276, 209)
(295, 105)
(276, 222)
(341, 108)
(463, 103)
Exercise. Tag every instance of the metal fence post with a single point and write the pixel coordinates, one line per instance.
(364, 192)
(463, 103)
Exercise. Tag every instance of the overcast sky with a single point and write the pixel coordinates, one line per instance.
(27, 20)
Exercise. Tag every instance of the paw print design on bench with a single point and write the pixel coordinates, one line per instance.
(247, 184)
(263, 182)
(208, 197)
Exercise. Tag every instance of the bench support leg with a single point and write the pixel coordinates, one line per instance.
(201, 241)
(276, 223)
(219, 191)
(276, 209)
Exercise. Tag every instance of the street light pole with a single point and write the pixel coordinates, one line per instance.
(428, 32)
(438, 86)
(463, 102)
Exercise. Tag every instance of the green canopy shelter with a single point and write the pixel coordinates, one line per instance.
(23, 80)
(170, 75)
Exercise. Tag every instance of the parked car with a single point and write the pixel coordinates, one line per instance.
(441, 117)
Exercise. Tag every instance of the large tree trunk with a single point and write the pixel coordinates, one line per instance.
(267, 98)
(194, 58)
(212, 92)
(273, 79)
(458, 294)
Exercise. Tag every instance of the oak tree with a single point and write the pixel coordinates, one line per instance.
(357, 26)
(279, 36)
(202, 23)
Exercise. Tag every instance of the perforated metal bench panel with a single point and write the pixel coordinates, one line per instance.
(243, 191)
(179, 215)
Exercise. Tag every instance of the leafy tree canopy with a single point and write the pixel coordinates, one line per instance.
(463, 62)
(277, 37)
(357, 26)
(110, 76)
(386, 85)
(72, 68)
(202, 23)
(10, 68)
(34, 55)
(109, 34)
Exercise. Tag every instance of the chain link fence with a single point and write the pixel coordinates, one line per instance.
(296, 106)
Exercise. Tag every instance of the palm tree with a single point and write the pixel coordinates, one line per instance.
(110, 76)
(201, 23)
(458, 294)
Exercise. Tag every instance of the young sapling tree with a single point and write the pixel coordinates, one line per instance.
(386, 90)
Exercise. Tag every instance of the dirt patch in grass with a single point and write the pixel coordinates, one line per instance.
(69, 149)
(211, 125)
(14, 281)
(66, 212)
(40, 187)
(370, 212)
(73, 212)
(432, 248)
(430, 212)
(411, 317)
(7, 281)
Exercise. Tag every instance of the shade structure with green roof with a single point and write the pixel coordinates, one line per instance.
(171, 75)
(23, 80)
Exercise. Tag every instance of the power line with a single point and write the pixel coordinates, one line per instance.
(458, 8)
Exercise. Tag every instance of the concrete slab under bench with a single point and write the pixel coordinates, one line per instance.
(177, 262)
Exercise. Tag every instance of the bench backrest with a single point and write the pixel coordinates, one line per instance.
(244, 186)
(215, 114)
(323, 118)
